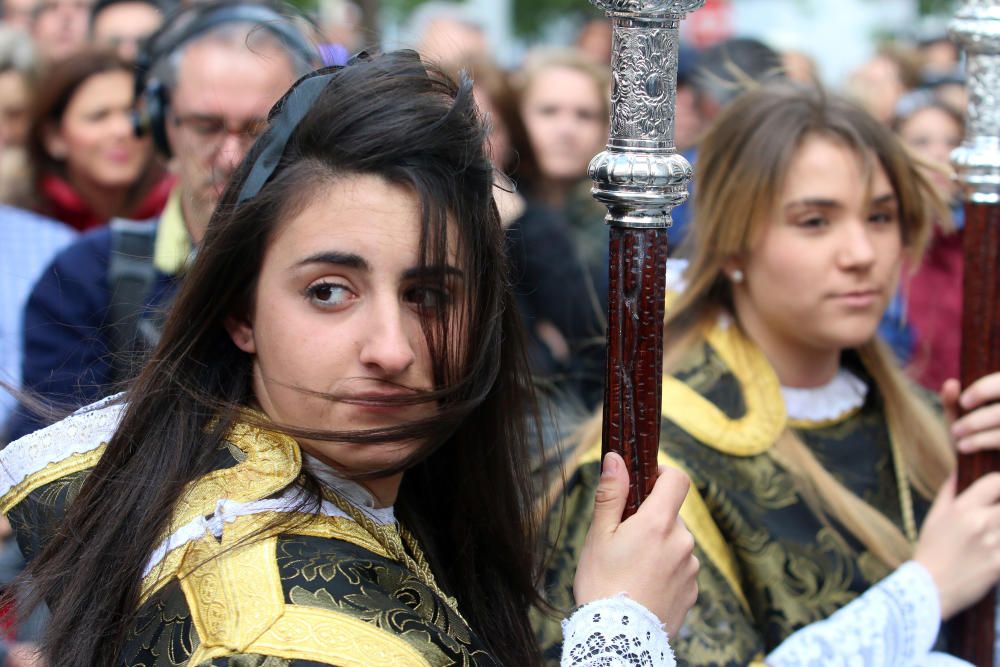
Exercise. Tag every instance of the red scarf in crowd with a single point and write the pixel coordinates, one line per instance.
(61, 202)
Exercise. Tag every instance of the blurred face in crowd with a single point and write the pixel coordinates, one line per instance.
(450, 41)
(878, 84)
(18, 13)
(824, 268)
(95, 138)
(217, 110)
(687, 119)
(14, 98)
(341, 306)
(934, 134)
(498, 142)
(124, 25)
(564, 115)
(940, 56)
(60, 27)
(594, 41)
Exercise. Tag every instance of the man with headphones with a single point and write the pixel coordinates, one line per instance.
(205, 84)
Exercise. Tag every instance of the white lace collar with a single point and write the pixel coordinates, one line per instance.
(843, 394)
(350, 490)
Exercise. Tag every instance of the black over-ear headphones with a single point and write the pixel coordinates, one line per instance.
(184, 26)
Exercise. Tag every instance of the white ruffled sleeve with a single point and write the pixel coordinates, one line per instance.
(895, 623)
(615, 632)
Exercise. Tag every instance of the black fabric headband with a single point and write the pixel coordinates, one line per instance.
(285, 117)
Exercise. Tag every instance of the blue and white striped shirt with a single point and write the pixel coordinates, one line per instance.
(28, 243)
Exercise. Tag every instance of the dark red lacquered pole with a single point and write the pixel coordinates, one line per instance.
(974, 629)
(640, 177)
(977, 29)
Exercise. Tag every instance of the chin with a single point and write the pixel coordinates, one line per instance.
(852, 340)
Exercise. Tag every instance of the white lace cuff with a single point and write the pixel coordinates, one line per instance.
(615, 632)
(895, 623)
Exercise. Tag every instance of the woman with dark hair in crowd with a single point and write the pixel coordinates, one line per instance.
(813, 460)
(87, 164)
(564, 101)
(325, 460)
(557, 299)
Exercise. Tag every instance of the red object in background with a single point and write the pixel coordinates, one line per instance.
(709, 25)
(8, 622)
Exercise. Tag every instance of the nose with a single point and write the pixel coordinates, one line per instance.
(230, 152)
(387, 346)
(123, 126)
(857, 248)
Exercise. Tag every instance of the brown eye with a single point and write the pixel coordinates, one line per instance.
(428, 298)
(812, 222)
(327, 294)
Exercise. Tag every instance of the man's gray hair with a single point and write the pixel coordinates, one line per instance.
(237, 35)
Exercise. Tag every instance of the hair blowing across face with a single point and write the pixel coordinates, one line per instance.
(466, 493)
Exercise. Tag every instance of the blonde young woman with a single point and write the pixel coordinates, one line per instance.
(813, 461)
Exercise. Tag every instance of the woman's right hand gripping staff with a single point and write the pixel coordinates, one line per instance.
(635, 579)
(956, 561)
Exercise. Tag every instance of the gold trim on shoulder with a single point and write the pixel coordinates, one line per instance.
(313, 525)
(806, 424)
(273, 461)
(698, 519)
(234, 591)
(765, 418)
(50, 473)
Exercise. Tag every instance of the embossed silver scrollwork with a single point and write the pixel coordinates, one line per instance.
(977, 29)
(640, 176)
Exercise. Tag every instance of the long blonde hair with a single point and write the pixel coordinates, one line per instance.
(741, 168)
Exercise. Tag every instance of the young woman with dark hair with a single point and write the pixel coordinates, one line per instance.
(87, 165)
(813, 460)
(325, 460)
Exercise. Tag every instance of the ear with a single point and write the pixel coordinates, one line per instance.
(241, 333)
(732, 265)
(55, 145)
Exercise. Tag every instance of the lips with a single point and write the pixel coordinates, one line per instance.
(862, 298)
(380, 399)
(119, 157)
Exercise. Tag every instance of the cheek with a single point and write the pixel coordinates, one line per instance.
(539, 126)
(784, 263)
(889, 249)
(284, 337)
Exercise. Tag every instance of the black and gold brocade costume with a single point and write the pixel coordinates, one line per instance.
(278, 588)
(769, 564)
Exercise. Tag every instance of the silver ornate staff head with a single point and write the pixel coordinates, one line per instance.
(640, 176)
(976, 28)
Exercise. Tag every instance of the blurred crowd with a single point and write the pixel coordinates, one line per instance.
(115, 147)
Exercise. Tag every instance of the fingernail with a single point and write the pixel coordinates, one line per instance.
(610, 465)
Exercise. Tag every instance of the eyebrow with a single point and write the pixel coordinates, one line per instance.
(354, 261)
(436, 271)
(885, 199)
(347, 259)
(833, 203)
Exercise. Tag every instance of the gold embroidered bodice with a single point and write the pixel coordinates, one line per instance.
(769, 564)
(273, 587)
